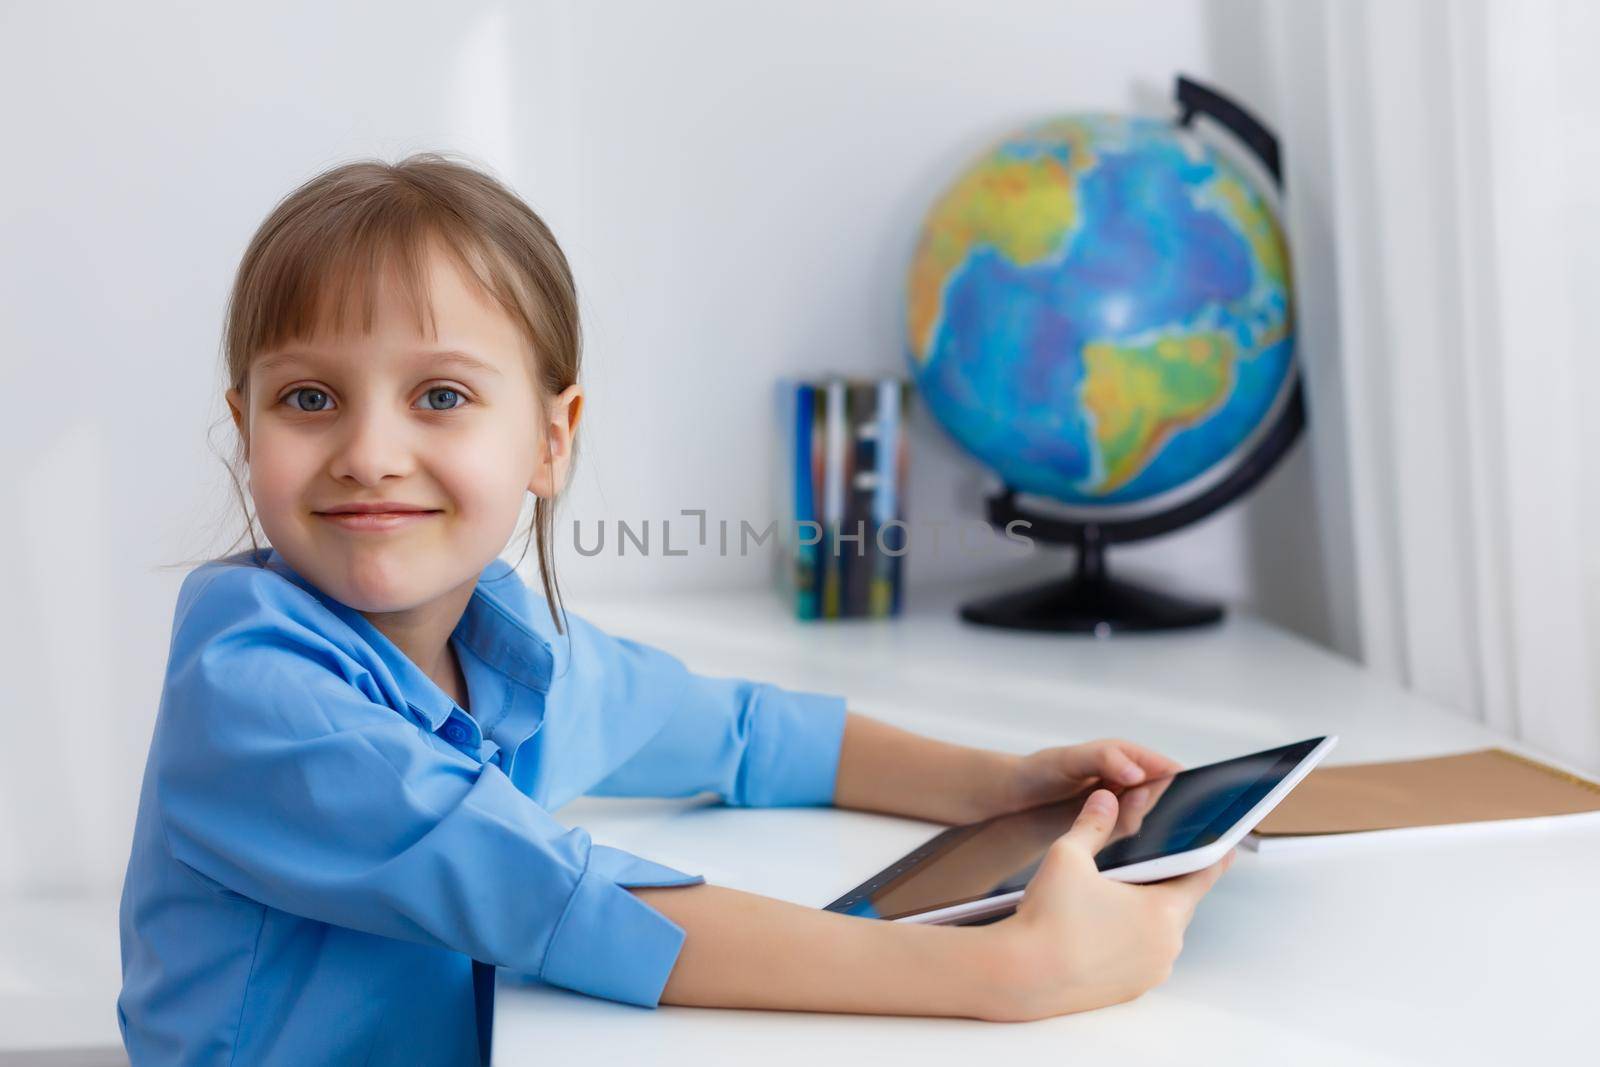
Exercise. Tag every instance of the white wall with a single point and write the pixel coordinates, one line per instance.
(738, 186)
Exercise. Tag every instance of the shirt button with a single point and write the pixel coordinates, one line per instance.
(456, 733)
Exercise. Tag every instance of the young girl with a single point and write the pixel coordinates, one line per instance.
(344, 825)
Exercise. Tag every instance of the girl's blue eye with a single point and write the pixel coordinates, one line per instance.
(447, 397)
(318, 402)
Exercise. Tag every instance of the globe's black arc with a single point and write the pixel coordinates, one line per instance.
(1197, 99)
(1090, 601)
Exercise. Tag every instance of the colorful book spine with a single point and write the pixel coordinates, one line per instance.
(888, 540)
(833, 499)
(807, 556)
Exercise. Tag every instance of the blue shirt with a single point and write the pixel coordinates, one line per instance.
(327, 842)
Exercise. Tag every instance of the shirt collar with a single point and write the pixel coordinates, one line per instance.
(489, 626)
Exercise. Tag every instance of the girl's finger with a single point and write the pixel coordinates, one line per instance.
(1100, 759)
(1154, 763)
(1077, 847)
(1093, 826)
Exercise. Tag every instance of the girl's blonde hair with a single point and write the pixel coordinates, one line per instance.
(325, 249)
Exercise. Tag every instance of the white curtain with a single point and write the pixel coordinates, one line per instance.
(1441, 163)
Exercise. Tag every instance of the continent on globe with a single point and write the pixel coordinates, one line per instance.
(1139, 394)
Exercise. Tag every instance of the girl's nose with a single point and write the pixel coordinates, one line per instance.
(375, 444)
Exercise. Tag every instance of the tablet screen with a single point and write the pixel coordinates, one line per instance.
(1164, 816)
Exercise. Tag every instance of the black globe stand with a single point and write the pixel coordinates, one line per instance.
(1090, 601)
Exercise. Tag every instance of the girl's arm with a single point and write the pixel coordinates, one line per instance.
(1078, 940)
(743, 950)
(884, 768)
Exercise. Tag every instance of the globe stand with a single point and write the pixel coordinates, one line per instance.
(1089, 601)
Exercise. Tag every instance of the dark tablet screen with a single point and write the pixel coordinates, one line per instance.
(1162, 817)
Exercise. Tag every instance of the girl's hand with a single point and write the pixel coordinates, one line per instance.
(1055, 773)
(1078, 939)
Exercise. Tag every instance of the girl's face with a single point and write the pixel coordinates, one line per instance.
(447, 429)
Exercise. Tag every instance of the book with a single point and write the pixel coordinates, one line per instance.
(833, 497)
(1364, 801)
(857, 553)
(888, 539)
(807, 558)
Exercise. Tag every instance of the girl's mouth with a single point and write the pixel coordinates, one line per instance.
(375, 521)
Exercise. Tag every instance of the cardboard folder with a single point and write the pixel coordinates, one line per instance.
(1490, 785)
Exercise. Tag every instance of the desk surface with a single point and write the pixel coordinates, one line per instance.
(1480, 949)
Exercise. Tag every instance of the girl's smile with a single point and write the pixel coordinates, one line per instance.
(378, 517)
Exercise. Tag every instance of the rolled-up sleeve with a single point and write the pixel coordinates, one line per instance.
(609, 943)
(754, 743)
(279, 780)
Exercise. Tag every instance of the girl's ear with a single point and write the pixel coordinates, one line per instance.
(556, 443)
(236, 408)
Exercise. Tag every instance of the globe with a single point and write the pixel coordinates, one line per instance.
(1099, 310)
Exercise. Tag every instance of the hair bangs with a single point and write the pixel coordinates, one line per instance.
(321, 273)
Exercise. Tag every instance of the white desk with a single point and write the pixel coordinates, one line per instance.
(1477, 951)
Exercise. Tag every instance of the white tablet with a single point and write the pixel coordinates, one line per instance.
(1165, 827)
